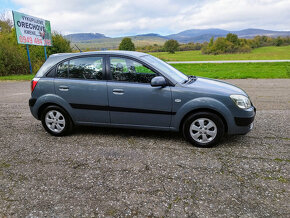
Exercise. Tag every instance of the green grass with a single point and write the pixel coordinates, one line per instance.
(17, 77)
(263, 53)
(237, 70)
(218, 71)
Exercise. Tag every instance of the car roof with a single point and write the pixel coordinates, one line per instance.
(114, 52)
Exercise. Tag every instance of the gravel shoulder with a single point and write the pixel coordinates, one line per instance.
(119, 172)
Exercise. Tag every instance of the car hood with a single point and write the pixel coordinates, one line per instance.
(213, 86)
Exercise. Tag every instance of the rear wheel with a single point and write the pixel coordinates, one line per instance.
(56, 121)
(203, 129)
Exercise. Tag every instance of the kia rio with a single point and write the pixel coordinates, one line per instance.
(136, 90)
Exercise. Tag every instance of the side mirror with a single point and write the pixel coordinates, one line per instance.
(158, 81)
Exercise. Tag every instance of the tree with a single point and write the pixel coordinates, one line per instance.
(211, 41)
(4, 26)
(278, 41)
(127, 44)
(233, 38)
(13, 58)
(6, 23)
(59, 44)
(171, 46)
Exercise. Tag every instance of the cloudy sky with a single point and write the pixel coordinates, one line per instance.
(126, 17)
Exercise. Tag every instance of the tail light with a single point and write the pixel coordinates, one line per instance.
(33, 83)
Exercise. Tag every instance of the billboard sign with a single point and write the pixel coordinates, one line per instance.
(32, 30)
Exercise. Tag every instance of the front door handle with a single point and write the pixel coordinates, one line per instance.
(63, 88)
(118, 91)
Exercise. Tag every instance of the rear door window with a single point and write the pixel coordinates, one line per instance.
(82, 68)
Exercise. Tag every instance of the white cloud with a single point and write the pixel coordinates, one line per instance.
(122, 17)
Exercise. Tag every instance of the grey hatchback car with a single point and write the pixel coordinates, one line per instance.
(136, 90)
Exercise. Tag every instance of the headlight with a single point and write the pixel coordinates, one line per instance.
(241, 101)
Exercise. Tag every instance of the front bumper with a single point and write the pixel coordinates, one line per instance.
(242, 121)
(243, 125)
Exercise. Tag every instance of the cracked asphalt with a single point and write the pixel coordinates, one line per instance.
(101, 172)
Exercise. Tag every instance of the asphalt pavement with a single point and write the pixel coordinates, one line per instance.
(102, 172)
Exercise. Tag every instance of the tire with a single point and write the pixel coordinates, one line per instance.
(56, 121)
(203, 129)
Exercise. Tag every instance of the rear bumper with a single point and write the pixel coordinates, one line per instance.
(32, 107)
(31, 102)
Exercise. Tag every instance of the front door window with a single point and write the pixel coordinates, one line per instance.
(123, 69)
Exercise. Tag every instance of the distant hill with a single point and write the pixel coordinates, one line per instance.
(99, 41)
(202, 35)
(197, 35)
(79, 37)
(113, 43)
(152, 34)
(251, 33)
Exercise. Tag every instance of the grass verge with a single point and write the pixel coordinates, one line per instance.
(263, 53)
(17, 77)
(237, 70)
(217, 71)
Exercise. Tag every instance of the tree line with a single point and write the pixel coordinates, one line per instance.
(222, 45)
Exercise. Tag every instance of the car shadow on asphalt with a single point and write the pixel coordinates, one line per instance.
(227, 140)
(126, 132)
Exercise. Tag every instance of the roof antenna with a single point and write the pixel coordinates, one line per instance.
(78, 48)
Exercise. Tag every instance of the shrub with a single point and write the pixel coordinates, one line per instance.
(229, 44)
(278, 41)
(191, 46)
(127, 44)
(171, 46)
(13, 58)
(59, 44)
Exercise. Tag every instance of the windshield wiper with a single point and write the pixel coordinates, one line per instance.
(190, 79)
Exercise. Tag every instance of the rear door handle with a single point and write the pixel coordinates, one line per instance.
(63, 88)
(118, 91)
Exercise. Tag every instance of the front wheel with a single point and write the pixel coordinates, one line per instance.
(203, 129)
(56, 121)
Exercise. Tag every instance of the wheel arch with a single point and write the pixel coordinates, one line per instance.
(47, 104)
(203, 110)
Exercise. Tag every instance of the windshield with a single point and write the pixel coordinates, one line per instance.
(166, 68)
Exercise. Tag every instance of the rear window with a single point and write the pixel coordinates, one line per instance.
(81, 68)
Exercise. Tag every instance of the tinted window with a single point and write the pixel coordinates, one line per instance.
(123, 69)
(82, 68)
(62, 70)
(86, 68)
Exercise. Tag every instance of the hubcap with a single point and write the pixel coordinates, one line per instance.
(203, 130)
(55, 121)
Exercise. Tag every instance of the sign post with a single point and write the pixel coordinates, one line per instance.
(28, 55)
(45, 53)
(32, 31)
